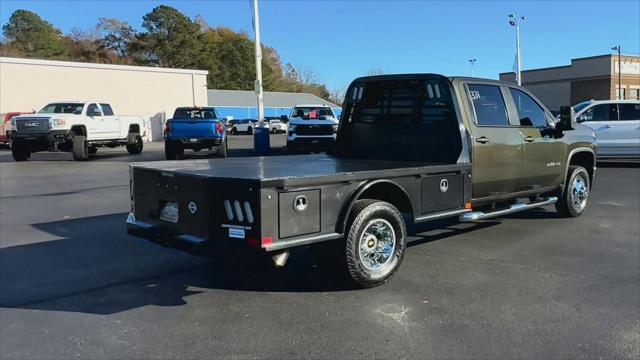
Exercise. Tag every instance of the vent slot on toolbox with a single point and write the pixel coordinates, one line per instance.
(442, 192)
(299, 213)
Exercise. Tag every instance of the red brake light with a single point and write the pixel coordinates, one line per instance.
(167, 127)
(218, 128)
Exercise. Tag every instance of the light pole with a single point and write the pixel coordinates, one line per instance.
(472, 62)
(514, 21)
(260, 137)
(619, 49)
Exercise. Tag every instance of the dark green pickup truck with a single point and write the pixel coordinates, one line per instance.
(410, 148)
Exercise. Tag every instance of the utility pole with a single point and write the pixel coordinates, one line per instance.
(472, 62)
(260, 137)
(620, 95)
(514, 21)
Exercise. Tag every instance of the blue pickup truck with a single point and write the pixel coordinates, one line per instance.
(194, 128)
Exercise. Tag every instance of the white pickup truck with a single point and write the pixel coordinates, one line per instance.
(76, 127)
(311, 126)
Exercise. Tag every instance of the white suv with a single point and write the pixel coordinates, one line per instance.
(616, 124)
(311, 125)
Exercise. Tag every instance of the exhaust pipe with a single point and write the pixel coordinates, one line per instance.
(280, 259)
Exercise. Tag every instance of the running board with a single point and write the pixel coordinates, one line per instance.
(479, 215)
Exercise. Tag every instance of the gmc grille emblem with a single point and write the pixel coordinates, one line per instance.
(31, 124)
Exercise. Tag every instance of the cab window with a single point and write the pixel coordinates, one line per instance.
(92, 109)
(529, 112)
(488, 104)
(602, 112)
(629, 112)
(108, 111)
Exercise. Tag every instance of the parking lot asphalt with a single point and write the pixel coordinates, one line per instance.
(530, 285)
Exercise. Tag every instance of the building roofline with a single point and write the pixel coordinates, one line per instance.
(73, 64)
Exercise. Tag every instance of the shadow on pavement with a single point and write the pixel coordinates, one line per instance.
(94, 267)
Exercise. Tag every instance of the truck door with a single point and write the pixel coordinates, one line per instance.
(111, 122)
(543, 154)
(497, 145)
(627, 130)
(95, 123)
(602, 118)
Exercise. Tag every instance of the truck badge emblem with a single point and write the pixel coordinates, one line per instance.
(444, 185)
(300, 203)
(31, 124)
(192, 207)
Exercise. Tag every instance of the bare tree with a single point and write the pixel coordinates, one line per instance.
(116, 35)
(308, 76)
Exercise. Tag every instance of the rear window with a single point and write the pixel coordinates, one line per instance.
(195, 113)
(62, 108)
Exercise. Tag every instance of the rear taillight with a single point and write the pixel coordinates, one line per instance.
(167, 128)
(218, 128)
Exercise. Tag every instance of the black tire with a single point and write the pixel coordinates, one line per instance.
(20, 151)
(274, 131)
(223, 149)
(367, 218)
(234, 131)
(575, 196)
(80, 148)
(93, 150)
(249, 130)
(134, 144)
(173, 150)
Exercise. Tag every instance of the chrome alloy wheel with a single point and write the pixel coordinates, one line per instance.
(579, 192)
(377, 244)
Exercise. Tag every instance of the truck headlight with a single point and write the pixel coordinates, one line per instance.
(292, 128)
(57, 122)
(12, 124)
(335, 128)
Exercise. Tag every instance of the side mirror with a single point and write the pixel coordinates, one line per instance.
(567, 118)
(95, 113)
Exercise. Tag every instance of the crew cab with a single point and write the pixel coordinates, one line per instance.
(410, 148)
(76, 127)
(194, 128)
(311, 125)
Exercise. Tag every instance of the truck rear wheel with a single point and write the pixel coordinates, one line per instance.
(20, 151)
(223, 149)
(134, 144)
(574, 198)
(80, 148)
(173, 150)
(375, 243)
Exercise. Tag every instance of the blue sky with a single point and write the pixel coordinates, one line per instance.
(341, 40)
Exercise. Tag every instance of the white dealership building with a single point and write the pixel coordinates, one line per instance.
(151, 92)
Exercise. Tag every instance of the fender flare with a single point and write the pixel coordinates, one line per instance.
(570, 156)
(355, 196)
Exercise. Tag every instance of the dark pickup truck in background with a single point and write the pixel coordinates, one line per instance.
(413, 148)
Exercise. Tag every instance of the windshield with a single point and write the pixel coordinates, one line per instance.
(580, 106)
(195, 113)
(312, 112)
(62, 108)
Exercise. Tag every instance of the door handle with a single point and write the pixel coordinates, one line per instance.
(604, 127)
(529, 139)
(482, 140)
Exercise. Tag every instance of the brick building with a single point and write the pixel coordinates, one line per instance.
(594, 77)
